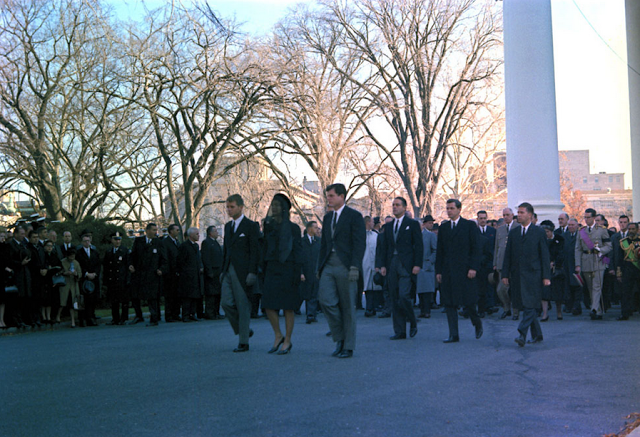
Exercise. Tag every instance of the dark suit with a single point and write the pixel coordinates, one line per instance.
(309, 288)
(341, 249)
(89, 264)
(486, 292)
(170, 281)
(147, 259)
(65, 250)
(191, 289)
(116, 276)
(401, 250)
(573, 288)
(212, 259)
(459, 250)
(526, 264)
(241, 256)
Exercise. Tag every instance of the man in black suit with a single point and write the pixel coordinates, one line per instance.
(66, 243)
(239, 269)
(309, 281)
(574, 293)
(526, 270)
(340, 260)
(170, 281)
(148, 264)
(19, 259)
(486, 293)
(90, 265)
(190, 269)
(115, 266)
(563, 224)
(212, 258)
(401, 260)
(57, 249)
(458, 259)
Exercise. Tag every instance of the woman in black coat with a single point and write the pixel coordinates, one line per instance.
(554, 292)
(281, 260)
(50, 295)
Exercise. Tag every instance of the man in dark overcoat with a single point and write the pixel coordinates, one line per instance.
(486, 291)
(170, 281)
(90, 265)
(148, 264)
(574, 296)
(19, 259)
(526, 270)
(115, 270)
(458, 260)
(212, 258)
(190, 269)
(309, 280)
(239, 269)
(400, 262)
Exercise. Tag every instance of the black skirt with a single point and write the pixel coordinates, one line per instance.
(555, 292)
(280, 289)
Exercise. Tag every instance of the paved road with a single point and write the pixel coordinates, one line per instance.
(183, 380)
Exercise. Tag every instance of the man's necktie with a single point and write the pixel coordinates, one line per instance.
(453, 225)
(589, 229)
(524, 231)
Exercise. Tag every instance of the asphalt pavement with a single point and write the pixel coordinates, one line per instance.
(184, 380)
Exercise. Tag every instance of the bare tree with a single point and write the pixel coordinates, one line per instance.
(426, 63)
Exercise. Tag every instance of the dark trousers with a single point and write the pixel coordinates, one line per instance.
(171, 299)
(189, 307)
(386, 298)
(255, 304)
(483, 287)
(630, 280)
(137, 307)
(212, 306)
(573, 298)
(452, 318)
(90, 301)
(26, 311)
(425, 302)
(530, 320)
(116, 306)
(400, 283)
(374, 298)
(154, 309)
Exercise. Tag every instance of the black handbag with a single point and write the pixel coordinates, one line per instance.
(58, 280)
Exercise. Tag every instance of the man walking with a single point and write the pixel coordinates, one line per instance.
(527, 269)
(426, 285)
(341, 252)
(458, 260)
(628, 269)
(573, 301)
(309, 279)
(400, 262)
(239, 269)
(502, 234)
(212, 259)
(486, 292)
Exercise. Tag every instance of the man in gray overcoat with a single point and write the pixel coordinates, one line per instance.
(527, 269)
(426, 285)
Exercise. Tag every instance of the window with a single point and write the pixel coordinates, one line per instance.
(584, 180)
(596, 180)
(610, 178)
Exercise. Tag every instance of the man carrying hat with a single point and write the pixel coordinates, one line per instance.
(90, 264)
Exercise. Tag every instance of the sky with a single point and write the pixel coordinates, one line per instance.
(590, 66)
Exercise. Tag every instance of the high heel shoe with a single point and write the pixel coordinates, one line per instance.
(285, 351)
(276, 347)
(545, 319)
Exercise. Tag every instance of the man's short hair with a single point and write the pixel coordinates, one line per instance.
(456, 202)
(151, 225)
(527, 206)
(402, 200)
(32, 232)
(367, 218)
(172, 227)
(311, 223)
(236, 198)
(482, 211)
(590, 211)
(565, 215)
(601, 216)
(623, 217)
(339, 189)
(210, 229)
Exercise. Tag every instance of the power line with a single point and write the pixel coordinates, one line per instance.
(603, 40)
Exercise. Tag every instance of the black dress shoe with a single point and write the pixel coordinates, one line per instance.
(250, 333)
(276, 347)
(152, 323)
(91, 323)
(122, 322)
(516, 317)
(339, 347)
(328, 334)
(398, 337)
(505, 314)
(538, 339)
(369, 313)
(170, 320)
(345, 354)
(520, 340)
(482, 315)
(194, 319)
(576, 312)
(479, 330)
(242, 348)
(384, 315)
(620, 318)
(285, 351)
(545, 319)
(451, 339)
(413, 331)
(113, 323)
(136, 320)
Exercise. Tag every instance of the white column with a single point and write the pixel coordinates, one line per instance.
(533, 174)
(632, 12)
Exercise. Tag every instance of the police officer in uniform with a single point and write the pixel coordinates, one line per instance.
(116, 278)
